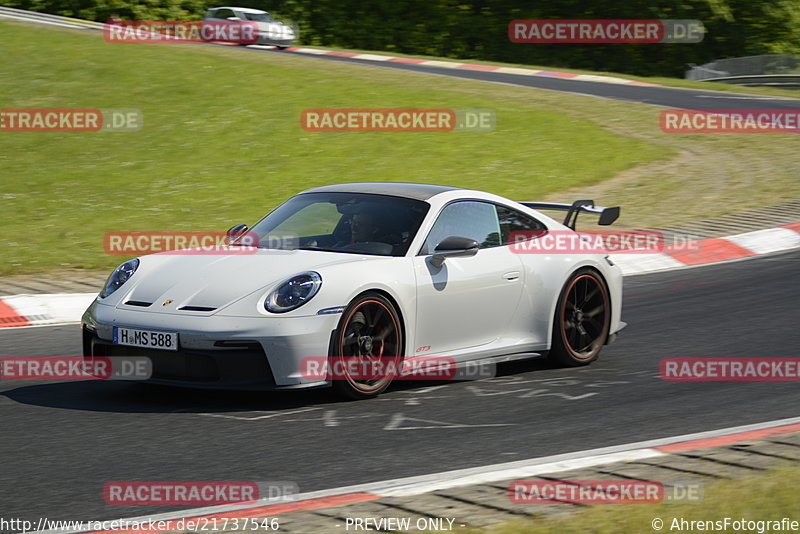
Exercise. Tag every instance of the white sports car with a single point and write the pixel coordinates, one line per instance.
(362, 271)
(270, 31)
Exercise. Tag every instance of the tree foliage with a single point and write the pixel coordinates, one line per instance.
(478, 29)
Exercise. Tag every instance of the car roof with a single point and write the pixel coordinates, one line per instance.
(242, 9)
(395, 189)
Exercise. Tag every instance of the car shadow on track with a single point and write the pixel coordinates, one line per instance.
(129, 397)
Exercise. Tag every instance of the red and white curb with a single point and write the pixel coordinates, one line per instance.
(403, 487)
(34, 310)
(466, 66)
(706, 251)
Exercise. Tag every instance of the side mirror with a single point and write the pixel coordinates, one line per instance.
(236, 232)
(236, 19)
(453, 247)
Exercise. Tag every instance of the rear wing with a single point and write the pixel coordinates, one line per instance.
(606, 215)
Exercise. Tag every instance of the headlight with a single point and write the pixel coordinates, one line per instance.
(119, 277)
(293, 293)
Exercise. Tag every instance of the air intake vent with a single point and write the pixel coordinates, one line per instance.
(238, 344)
(197, 308)
(138, 303)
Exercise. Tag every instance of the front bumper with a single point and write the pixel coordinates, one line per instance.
(219, 352)
(264, 39)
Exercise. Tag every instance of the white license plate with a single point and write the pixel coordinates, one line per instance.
(150, 339)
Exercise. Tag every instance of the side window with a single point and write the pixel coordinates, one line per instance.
(319, 218)
(512, 221)
(224, 14)
(471, 219)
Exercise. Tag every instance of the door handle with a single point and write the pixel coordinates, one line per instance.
(511, 276)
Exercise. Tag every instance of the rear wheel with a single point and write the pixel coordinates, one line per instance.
(369, 338)
(581, 323)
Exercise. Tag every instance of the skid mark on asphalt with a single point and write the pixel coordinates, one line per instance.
(258, 415)
(510, 386)
(563, 387)
(332, 418)
(414, 397)
(526, 393)
(398, 419)
(567, 387)
(415, 400)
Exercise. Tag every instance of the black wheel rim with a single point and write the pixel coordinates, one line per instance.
(584, 320)
(370, 335)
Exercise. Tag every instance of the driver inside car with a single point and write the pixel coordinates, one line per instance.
(362, 228)
(367, 232)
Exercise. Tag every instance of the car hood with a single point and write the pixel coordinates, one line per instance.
(168, 282)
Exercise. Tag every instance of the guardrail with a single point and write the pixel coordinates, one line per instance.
(46, 18)
(759, 79)
(764, 69)
(699, 73)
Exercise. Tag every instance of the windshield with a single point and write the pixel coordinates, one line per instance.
(259, 17)
(356, 223)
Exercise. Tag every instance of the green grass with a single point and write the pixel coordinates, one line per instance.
(768, 497)
(222, 144)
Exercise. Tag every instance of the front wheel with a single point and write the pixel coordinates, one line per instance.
(367, 348)
(582, 319)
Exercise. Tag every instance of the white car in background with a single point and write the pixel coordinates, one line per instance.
(270, 31)
(365, 271)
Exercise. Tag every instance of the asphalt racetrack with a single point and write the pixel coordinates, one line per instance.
(67, 439)
(670, 97)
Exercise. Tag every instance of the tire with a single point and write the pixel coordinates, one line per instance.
(582, 320)
(369, 330)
